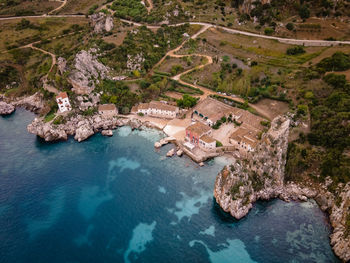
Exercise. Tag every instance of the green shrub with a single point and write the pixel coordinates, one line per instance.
(295, 50)
(269, 31)
(290, 26)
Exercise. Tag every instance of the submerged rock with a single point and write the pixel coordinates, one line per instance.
(6, 109)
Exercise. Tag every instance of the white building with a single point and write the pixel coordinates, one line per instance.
(63, 102)
(157, 109)
(206, 142)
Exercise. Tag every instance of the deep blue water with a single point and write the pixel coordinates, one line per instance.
(118, 200)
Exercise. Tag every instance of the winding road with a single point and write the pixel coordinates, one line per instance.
(172, 53)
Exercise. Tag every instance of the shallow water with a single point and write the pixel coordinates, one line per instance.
(119, 200)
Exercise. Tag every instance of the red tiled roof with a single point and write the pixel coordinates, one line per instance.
(62, 95)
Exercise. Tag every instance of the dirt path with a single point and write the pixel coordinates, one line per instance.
(150, 5)
(206, 92)
(53, 63)
(291, 41)
(64, 2)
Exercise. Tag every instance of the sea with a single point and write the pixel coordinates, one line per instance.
(118, 199)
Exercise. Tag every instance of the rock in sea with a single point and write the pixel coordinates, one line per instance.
(6, 109)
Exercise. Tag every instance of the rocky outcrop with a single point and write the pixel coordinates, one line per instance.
(34, 103)
(62, 65)
(88, 70)
(101, 23)
(338, 207)
(261, 176)
(108, 133)
(81, 127)
(6, 109)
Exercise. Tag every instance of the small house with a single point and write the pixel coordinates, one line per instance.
(63, 102)
(108, 110)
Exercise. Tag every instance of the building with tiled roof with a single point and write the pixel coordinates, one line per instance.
(107, 110)
(245, 139)
(207, 142)
(196, 131)
(157, 109)
(63, 102)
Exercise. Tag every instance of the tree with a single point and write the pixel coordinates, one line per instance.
(290, 26)
(304, 12)
(187, 101)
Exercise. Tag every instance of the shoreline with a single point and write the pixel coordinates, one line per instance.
(292, 191)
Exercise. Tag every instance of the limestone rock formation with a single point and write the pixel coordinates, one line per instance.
(242, 183)
(62, 65)
(6, 109)
(46, 131)
(34, 103)
(81, 127)
(101, 23)
(88, 70)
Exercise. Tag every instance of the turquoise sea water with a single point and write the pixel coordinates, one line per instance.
(119, 200)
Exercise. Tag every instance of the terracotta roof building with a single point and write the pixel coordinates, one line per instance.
(107, 110)
(157, 109)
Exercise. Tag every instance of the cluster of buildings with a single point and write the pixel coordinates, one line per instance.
(209, 111)
(107, 110)
(246, 130)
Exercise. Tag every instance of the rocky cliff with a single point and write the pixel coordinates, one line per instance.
(261, 176)
(87, 71)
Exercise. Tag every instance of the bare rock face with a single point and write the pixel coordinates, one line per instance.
(87, 71)
(62, 65)
(261, 177)
(47, 131)
(339, 214)
(101, 23)
(34, 103)
(83, 132)
(6, 109)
